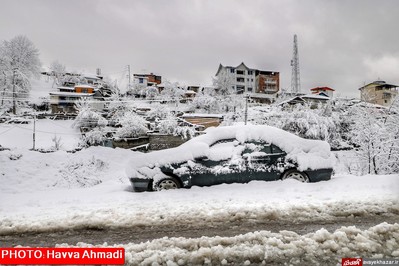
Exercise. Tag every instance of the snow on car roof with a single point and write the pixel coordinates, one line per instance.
(309, 154)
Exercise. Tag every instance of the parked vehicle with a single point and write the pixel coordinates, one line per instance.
(235, 154)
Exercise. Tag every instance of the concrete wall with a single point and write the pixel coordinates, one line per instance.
(155, 142)
(129, 143)
(160, 142)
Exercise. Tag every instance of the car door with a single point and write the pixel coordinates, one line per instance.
(262, 161)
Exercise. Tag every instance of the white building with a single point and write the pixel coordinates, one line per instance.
(243, 79)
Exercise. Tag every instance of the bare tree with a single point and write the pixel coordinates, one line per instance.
(58, 70)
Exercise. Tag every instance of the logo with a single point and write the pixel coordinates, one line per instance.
(352, 261)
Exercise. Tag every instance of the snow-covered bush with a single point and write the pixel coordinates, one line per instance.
(170, 126)
(132, 126)
(158, 111)
(57, 143)
(96, 136)
(87, 117)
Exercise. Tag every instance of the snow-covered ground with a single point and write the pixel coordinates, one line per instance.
(60, 190)
(21, 135)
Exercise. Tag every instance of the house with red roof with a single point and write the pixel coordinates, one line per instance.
(323, 90)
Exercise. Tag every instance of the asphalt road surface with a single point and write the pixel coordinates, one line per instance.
(138, 234)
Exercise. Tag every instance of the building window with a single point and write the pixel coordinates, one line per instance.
(141, 80)
(240, 72)
(250, 72)
(231, 70)
(386, 95)
(250, 89)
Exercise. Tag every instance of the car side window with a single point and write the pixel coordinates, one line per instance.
(257, 148)
(267, 148)
(276, 149)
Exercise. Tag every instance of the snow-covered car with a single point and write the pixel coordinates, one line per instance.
(232, 154)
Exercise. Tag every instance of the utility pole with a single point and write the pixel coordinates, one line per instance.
(34, 131)
(246, 109)
(295, 75)
(14, 72)
(5, 87)
(128, 70)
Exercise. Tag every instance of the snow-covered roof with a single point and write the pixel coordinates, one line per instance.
(380, 83)
(315, 96)
(203, 115)
(242, 65)
(190, 92)
(72, 94)
(309, 154)
(262, 95)
(322, 89)
(84, 86)
(91, 76)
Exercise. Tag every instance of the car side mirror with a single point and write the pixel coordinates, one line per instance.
(202, 159)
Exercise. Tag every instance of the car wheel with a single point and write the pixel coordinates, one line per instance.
(167, 183)
(295, 174)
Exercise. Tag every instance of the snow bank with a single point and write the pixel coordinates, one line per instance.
(309, 154)
(267, 248)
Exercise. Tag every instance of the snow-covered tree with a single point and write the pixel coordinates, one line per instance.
(205, 102)
(58, 71)
(392, 122)
(20, 53)
(171, 92)
(19, 60)
(151, 92)
(224, 84)
(369, 134)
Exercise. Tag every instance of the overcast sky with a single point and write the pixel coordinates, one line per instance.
(342, 44)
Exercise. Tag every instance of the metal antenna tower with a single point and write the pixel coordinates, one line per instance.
(295, 77)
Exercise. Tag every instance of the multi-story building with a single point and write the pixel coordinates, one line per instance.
(243, 79)
(147, 80)
(379, 92)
